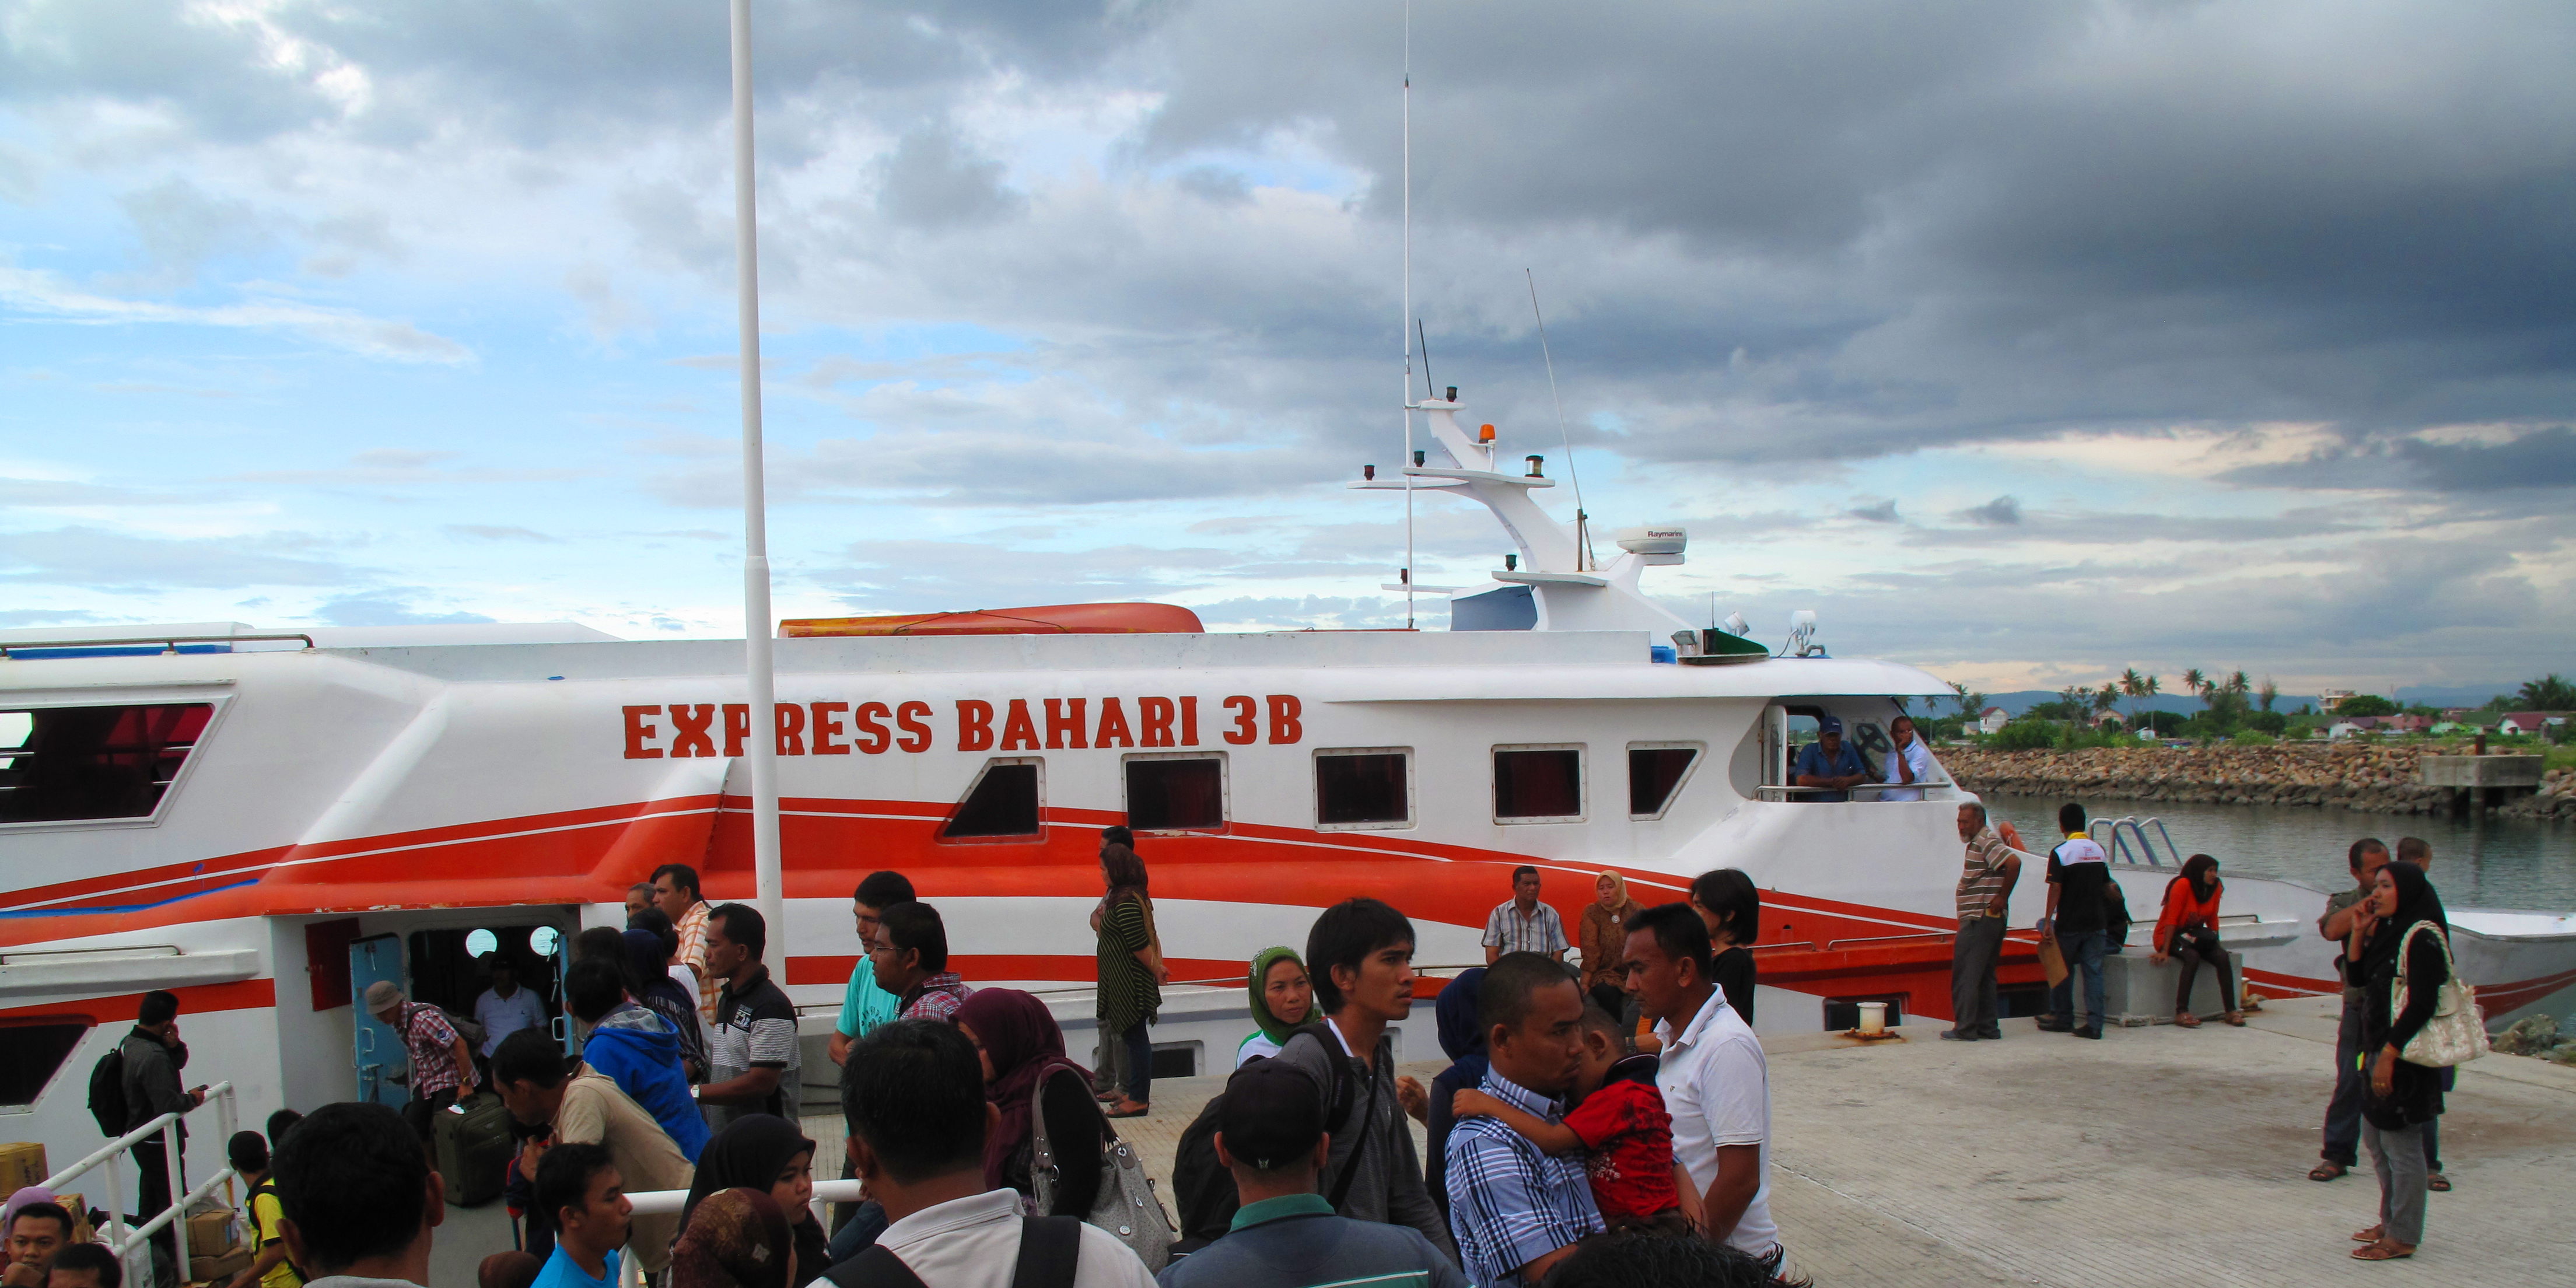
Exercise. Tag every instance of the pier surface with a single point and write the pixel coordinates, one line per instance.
(2155, 1157)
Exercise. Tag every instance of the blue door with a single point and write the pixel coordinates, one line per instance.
(380, 1051)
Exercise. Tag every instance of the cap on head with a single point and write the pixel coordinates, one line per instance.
(1272, 1115)
(1829, 724)
(383, 995)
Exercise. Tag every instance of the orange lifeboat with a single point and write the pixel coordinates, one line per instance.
(1047, 619)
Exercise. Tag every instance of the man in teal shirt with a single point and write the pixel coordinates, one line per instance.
(865, 1006)
(1270, 1135)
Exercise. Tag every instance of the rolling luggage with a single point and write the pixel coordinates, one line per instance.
(474, 1149)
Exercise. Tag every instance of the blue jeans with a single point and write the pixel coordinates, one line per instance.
(856, 1234)
(1139, 1042)
(2083, 951)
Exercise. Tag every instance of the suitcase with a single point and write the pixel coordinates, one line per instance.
(474, 1149)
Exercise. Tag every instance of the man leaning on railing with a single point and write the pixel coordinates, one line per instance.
(153, 1056)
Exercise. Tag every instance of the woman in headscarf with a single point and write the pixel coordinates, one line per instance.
(646, 951)
(2187, 931)
(1731, 908)
(1023, 1053)
(1605, 941)
(765, 1153)
(2402, 1097)
(738, 1238)
(1464, 1041)
(1130, 992)
(1283, 997)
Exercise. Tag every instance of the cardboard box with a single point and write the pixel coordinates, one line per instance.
(22, 1163)
(208, 1231)
(74, 1202)
(219, 1269)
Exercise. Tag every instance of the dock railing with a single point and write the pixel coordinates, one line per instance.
(2113, 835)
(126, 1243)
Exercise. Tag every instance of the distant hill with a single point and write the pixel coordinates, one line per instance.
(2468, 695)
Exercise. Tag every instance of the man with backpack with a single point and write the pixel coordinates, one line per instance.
(2079, 877)
(134, 1084)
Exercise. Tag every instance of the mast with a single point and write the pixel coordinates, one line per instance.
(1405, 324)
(758, 670)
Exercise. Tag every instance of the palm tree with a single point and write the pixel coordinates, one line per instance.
(2548, 693)
(2194, 680)
(2131, 685)
(2108, 698)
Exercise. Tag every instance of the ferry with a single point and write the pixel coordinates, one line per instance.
(265, 822)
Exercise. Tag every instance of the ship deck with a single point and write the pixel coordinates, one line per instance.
(2155, 1157)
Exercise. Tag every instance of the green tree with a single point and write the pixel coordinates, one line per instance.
(2268, 694)
(2196, 682)
(2365, 704)
(2548, 693)
(2107, 697)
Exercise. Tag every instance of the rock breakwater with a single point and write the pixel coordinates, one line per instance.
(2354, 776)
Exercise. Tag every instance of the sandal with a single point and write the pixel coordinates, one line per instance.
(2438, 1183)
(2328, 1171)
(2383, 1251)
(2371, 1235)
(2236, 1018)
(2186, 1020)
(1129, 1109)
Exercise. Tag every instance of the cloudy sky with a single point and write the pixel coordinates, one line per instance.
(2022, 341)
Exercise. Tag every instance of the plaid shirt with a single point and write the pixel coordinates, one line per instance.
(937, 998)
(1983, 877)
(1540, 932)
(432, 1044)
(1509, 1202)
(692, 930)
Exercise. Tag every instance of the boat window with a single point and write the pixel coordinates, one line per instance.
(1655, 774)
(31, 1054)
(62, 764)
(1362, 787)
(1003, 802)
(1175, 793)
(1538, 784)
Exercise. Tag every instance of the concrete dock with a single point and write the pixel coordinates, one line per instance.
(2155, 1157)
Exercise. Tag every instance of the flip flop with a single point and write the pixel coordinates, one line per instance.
(2370, 1235)
(2382, 1252)
(2186, 1020)
(2236, 1018)
(2438, 1183)
(1129, 1109)
(2327, 1171)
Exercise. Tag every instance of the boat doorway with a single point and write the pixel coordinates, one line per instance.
(451, 967)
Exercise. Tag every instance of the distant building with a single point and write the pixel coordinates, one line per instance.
(2111, 718)
(2329, 699)
(2529, 722)
(1993, 719)
(2354, 727)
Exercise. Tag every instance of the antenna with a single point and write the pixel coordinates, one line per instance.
(1582, 528)
(1427, 386)
(1406, 402)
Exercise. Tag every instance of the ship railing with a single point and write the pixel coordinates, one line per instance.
(1933, 789)
(126, 1244)
(169, 643)
(1235, 980)
(2114, 835)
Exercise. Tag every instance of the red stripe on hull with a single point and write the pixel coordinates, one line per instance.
(120, 1008)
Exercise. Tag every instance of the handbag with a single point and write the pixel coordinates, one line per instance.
(2456, 1034)
(1126, 1205)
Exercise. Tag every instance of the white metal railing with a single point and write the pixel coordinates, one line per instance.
(1932, 788)
(123, 1242)
(2119, 830)
(169, 643)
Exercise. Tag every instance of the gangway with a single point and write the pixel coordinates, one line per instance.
(2113, 836)
(126, 1243)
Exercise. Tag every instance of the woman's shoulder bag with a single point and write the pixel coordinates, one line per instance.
(1126, 1205)
(2457, 1032)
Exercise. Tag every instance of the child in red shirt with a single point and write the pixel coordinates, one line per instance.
(1619, 1117)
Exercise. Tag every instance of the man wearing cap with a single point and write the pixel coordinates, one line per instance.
(1270, 1135)
(442, 1065)
(1829, 763)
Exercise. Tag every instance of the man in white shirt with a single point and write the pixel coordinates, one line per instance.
(913, 1095)
(1715, 1082)
(1908, 762)
(505, 1008)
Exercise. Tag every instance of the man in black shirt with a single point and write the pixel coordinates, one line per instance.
(2078, 872)
(153, 1057)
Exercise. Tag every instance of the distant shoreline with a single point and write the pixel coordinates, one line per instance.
(2369, 779)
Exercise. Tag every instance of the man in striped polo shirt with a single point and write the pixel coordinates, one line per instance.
(1985, 892)
(1521, 924)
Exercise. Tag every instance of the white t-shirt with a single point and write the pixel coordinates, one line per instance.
(688, 981)
(1718, 1088)
(1917, 758)
(1258, 1046)
(975, 1243)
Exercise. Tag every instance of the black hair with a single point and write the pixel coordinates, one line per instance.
(2361, 847)
(1524, 870)
(915, 926)
(280, 1123)
(354, 1181)
(2415, 850)
(2070, 818)
(1974, 808)
(659, 922)
(247, 1151)
(884, 890)
(496, 962)
(529, 1055)
(563, 1177)
(683, 877)
(1596, 1020)
(592, 988)
(914, 1091)
(1649, 1260)
(1117, 835)
(94, 1258)
(1729, 896)
(1678, 931)
(42, 1212)
(159, 1007)
(1503, 997)
(1346, 934)
(743, 925)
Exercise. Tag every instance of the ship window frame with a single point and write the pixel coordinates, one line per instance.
(218, 696)
(1224, 792)
(1035, 836)
(1403, 755)
(1699, 757)
(1582, 782)
(82, 1026)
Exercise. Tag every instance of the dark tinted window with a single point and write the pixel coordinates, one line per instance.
(30, 1053)
(1363, 788)
(62, 763)
(1004, 802)
(1175, 795)
(1653, 773)
(1538, 784)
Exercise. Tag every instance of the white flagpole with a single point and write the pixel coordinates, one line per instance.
(1405, 323)
(767, 884)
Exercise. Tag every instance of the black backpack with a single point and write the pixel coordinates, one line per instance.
(1203, 1189)
(2115, 917)
(107, 1092)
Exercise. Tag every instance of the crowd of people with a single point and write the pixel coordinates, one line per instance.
(1600, 1122)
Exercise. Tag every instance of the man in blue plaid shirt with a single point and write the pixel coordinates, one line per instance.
(1516, 1211)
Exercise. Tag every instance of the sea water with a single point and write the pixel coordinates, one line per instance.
(2478, 862)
